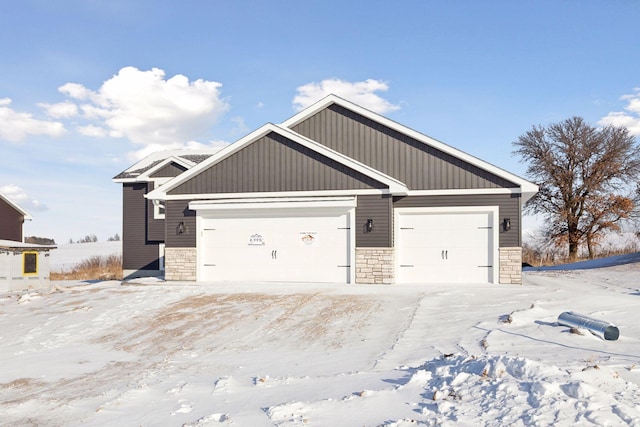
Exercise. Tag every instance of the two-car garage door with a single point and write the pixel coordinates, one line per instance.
(446, 246)
(266, 242)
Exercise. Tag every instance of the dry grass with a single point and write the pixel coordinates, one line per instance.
(556, 256)
(95, 268)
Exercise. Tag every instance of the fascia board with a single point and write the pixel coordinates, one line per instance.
(275, 203)
(526, 186)
(15, 206)
(319, 193)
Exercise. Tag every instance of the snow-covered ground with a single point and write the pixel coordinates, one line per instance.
(254, 354)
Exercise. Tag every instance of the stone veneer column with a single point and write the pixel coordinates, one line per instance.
(180, 264)
(375, 265)
(511, 265)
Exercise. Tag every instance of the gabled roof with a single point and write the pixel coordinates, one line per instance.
(143, 169)
(528, 189)
(15, 206)
(160, 193)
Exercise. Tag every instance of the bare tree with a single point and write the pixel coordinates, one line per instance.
(584, 174)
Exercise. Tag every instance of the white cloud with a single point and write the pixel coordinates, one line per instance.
(61, 110)
(147, 109)
(15, 126)
(630, 118)
(22, 199)
(92, 130)
(75, 90)
(361, 93)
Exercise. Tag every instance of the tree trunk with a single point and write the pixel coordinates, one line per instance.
(573, 251)
(574, 239)
(590, 247)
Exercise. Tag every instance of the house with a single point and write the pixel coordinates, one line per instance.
(336, 193)
(143, 225)
(22, 265)
(12, 217)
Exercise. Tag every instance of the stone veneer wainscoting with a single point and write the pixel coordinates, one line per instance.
(180, 264)
(511, 266)
(375, 265)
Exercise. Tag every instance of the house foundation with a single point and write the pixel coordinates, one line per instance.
(375, 265)
(511, 266)
(180, 264)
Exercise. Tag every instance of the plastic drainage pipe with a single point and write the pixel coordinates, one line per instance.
(603, 329)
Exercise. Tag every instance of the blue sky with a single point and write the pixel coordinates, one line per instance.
(87, 87)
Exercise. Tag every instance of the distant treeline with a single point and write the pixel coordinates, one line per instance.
(39, 240)
(86, 239)
(93, 238)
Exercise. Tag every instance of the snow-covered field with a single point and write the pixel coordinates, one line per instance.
(257, 354)
(66, 256)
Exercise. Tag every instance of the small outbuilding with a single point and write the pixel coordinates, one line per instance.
(23, 266)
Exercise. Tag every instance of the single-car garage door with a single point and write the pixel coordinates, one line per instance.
(294, 243)
(457, 246)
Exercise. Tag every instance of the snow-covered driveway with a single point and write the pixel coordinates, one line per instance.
(340, 355)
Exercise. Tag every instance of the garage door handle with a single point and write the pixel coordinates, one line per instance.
(446, 254)
(274, 254)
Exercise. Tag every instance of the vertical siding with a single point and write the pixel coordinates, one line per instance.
(418, 165)
(138, 253)
(274, 163)
(10, 222)
(508, 207)
(177, 211)
(155, 227)
(379, 209)
(169, 171)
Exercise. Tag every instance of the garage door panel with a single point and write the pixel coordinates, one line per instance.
(445, 247)
(289, 247)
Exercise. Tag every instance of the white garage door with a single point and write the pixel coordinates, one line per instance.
(284, 245)
(446, 247)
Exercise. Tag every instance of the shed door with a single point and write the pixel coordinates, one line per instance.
(452, 247)
(271, 246)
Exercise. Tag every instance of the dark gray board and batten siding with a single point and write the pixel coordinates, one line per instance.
(273, 163)
(138, 253)
(10, 222)
(419, 166)
(178, 211)
(169, 171)
(378, 208)
(155, 227)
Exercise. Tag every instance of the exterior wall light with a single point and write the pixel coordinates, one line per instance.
(180, 229)
(506, 224)
(369, 226)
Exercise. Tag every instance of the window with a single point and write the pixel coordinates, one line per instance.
(29, 263)
(158, 211)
